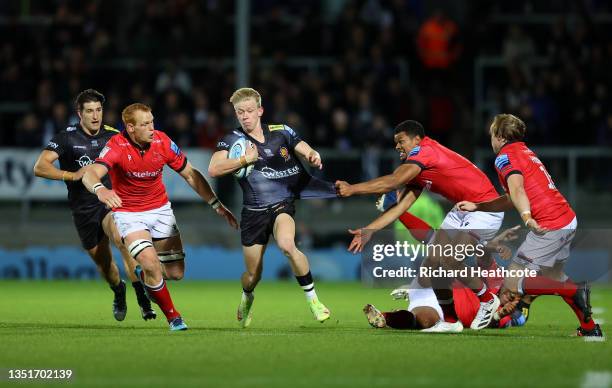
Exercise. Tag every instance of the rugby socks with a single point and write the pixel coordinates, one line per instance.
(247, 295)
(160, 295)
(139, 290)
(483, 294)
(307, 285)
(400, 319)
(586, 325)
(418, 228)
(541, 285)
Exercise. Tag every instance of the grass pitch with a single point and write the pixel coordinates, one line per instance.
(70, 325)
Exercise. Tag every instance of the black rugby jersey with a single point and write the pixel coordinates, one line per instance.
(77, 149)
(278, 175)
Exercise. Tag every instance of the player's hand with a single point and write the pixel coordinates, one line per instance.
(109, 198)
(314, 159)
(509, 234)
(78, 174)
(466, 206)
(508, 308)
(229, 217)
(360, 239)
(343, 189)
(533, 225)
(251, 154)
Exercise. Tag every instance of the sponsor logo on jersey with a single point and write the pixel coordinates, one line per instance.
(70, 129)
(268, 152)
(275, 127)
(175, 148)
(79, 147)
(143, 174)
(284, 152)
(84, 160)
(271, 173)
(94, 143)
(52, 145)
(414, 151)
(104, 151)
(222, 144)
(502, 162)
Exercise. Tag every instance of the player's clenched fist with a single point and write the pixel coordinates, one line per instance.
(343, 189)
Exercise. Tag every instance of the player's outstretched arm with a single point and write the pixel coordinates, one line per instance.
(92, 182)
(220, 165)
(306, 152)
(44, 168)
(499, 204)
(200, 185)
(400, 177)
(363, 235)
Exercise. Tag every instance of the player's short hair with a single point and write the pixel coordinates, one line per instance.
(243, 94)
(508, 127)
(411, 128)
(127, 115)
(88, 95)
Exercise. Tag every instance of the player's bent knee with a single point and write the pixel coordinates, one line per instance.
(287, 246)
(139, 245)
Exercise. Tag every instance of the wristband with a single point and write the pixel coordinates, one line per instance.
(97, 187)
(526, 216)
(214, 203)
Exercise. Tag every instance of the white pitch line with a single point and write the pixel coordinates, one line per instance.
(598, 310)
(596, 379)
(594, 339)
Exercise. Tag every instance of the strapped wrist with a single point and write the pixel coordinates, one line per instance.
(97, 187)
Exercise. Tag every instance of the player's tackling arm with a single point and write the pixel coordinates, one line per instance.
(499, 204)
(200, 185)
(44, 168)
(92, 182)
(363, 235)
(400, 177)
(306, 152)
(220, 165)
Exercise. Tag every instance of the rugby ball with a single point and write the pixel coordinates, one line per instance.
(237, 150)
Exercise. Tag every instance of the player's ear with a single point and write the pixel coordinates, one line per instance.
(260, 111)
(79, 114)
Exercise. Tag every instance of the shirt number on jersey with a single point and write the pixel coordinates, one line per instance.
(551, 184)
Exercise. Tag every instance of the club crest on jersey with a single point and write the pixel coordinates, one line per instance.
(84, 161)
(53, 145)
(414, 151)
(94, 143)
(284, 152)
(175, 148)
(502, 162)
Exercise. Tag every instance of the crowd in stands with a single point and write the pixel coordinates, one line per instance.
(342, 73)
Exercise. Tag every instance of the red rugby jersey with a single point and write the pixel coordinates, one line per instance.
(548, 206)
(449, 174)
(136, 173)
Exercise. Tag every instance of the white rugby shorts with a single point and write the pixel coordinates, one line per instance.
(159, 222)
(423, 297)
(483, 225)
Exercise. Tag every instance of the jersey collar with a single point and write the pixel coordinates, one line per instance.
(507, 144)
(80, 128)
(136, 145)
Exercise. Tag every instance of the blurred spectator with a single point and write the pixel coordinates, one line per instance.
(29, 134)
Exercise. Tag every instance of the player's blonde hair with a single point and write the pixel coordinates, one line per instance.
(244, 93)
(508, 127)
(127, 115)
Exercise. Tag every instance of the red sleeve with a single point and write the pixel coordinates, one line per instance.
(175, 158)
(423, 157)
(110, 154)
(506, 165)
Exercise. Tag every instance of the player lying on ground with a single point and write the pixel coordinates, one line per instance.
(532, 192)
(278, 178)
(76, 148)
(427, 165)
(135, 159)
(422, 231)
